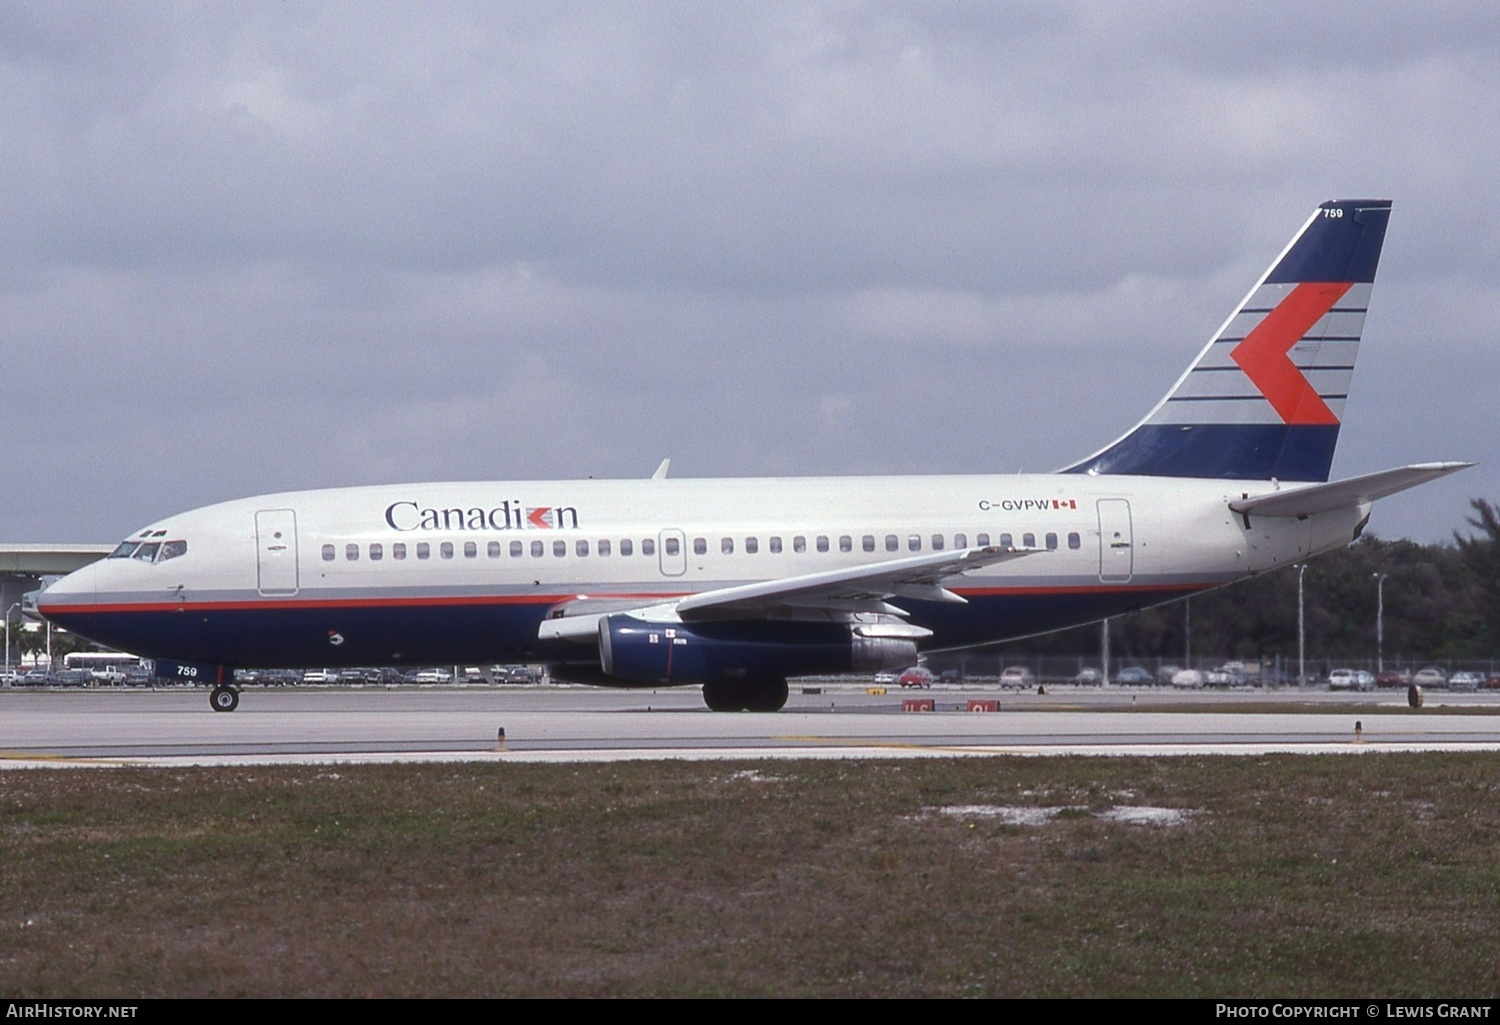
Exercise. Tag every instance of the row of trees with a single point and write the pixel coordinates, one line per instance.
(1442, 603)
(24, 641)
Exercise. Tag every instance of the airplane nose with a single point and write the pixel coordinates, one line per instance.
(77, 587)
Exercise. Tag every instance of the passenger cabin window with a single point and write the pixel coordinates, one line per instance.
(937, 542)
(581, 548)
(914, 542)
(625, 547)
(648, 546)
(494, 549)
(559, 548)
(799, 544)
(398, 549)
(752, 545)
(892, 543)
(846, 543)
(960, 540)
(351, 553)
(424, 550)
(1074, 540)
(328, 553)
(446, 549)
(671, 546)
(822, 542)
(1051, 542)
(982, 540)
(775, 545)
(538, 549)
(1028, 540)
(1006, 541)
(377, 551)
(603, 547)
(471, 550)
(726, 546)
(867, 542)
(700, 546)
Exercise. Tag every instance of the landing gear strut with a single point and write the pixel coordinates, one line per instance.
(224, 699)
(745, 695)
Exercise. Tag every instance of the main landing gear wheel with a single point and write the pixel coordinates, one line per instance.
(223, 699)
(745, 695)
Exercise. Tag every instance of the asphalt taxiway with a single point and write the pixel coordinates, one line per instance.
(114, 727)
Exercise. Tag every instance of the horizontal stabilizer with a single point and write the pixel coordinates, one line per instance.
(1318, 498)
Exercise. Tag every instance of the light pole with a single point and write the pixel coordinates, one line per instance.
(1301, 632)
(8, 639)
(1104, 645)
(1187, 633)
(1380, 621)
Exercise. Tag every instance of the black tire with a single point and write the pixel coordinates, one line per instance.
(765, 696)
(223, 699)
(723, 696)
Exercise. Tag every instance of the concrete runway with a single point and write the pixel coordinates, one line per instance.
(176, 727)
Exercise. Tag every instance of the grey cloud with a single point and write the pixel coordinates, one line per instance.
(248, 248)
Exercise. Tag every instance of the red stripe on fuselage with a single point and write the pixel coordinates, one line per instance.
(550, 599)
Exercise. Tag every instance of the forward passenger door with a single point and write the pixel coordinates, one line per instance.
(276, 552)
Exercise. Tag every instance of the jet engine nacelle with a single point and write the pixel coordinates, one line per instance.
(642, 651)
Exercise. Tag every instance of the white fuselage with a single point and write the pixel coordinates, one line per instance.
(466, 572)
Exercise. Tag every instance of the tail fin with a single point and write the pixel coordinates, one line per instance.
(1265, 396)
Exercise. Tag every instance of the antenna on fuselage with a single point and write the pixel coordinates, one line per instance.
(661, 471)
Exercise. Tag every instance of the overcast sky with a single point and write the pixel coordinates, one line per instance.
(256, 247)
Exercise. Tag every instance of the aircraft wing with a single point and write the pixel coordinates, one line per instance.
(849, 590)
(855, 589)
(1317, 498)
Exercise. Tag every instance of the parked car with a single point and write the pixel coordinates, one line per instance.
(1463, 681)
(321, 676)
(1188, 678)
(1393, 678)
(1341, 679)
(1089, 677)
(1364, 679)
(916, 676)
(886, 678)
(1432, 676)
(950, 676)
(1017, 676)
(1133, 675)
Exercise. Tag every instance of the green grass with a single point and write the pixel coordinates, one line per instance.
(1368, 876)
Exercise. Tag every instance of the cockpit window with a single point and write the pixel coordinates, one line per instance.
(150, 551)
